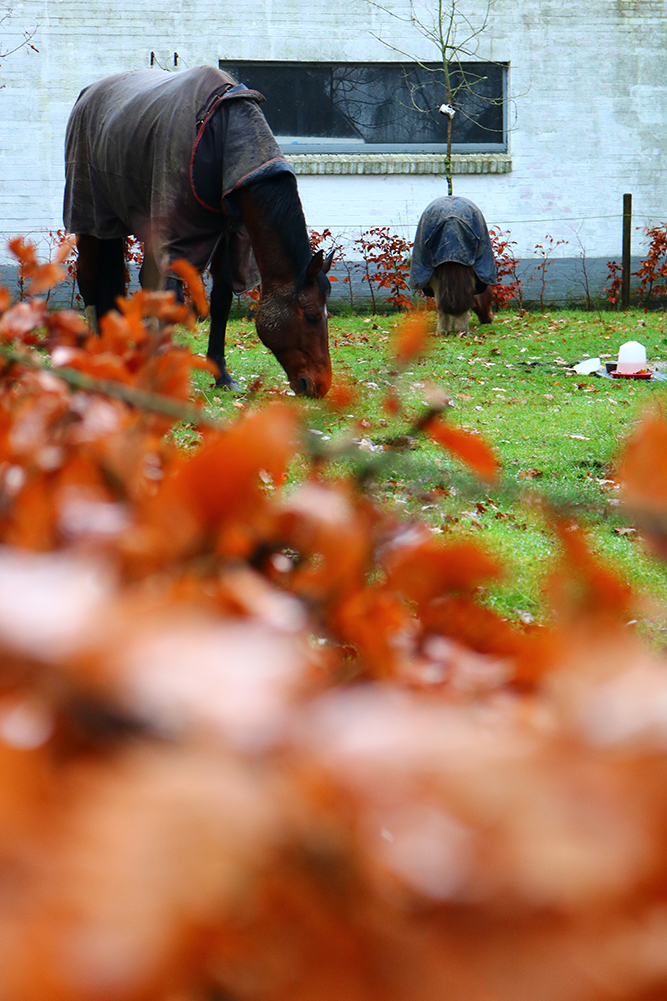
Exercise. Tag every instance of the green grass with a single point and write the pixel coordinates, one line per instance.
(556, 433)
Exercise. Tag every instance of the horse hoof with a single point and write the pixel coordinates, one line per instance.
(228, 383)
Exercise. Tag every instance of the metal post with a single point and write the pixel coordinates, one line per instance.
(627, 238)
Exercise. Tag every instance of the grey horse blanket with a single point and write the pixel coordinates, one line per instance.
(160, 155)
(452, 229)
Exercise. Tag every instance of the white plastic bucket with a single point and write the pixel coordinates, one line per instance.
(631, 358)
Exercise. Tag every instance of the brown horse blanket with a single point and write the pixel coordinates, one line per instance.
(452, 229)
(160, 155)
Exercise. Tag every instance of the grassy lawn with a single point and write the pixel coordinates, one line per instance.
(556, 433)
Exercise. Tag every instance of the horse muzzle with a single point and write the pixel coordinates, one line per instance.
(305, 385)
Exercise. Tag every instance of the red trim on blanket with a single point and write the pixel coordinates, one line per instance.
(252, 95)
(200, 133)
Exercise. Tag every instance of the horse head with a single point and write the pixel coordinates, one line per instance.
(483, 305)
(292, 321)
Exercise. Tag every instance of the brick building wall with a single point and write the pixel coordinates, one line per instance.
(588, 108)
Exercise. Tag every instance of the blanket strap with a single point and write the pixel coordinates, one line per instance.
(227, 93)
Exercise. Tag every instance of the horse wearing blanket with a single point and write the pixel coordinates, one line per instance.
(453, 260)
(187, 163)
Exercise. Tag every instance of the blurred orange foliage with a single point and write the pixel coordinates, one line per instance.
(412, 336)
(270, 745)
(470, 448)
(194, 284)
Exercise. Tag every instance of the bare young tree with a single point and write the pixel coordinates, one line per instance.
(455, 33)
(584, 278)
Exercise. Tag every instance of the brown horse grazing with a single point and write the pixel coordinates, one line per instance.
(187, 163)
(453, 261)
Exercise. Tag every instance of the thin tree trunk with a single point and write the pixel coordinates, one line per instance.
(448, 92)
(448, 158)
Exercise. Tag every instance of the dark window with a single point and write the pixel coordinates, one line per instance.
(355, 107)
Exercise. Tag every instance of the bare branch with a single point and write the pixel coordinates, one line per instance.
(26, 40)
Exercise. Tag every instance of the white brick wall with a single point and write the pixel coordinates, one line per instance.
(589, 81)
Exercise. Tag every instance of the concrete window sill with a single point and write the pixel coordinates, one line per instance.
(399, 163)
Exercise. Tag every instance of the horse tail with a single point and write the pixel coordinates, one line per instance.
(456, 287)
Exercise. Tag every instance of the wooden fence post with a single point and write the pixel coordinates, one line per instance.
(627, 240)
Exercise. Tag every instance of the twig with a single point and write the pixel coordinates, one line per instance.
(28, 35)
(155, 402)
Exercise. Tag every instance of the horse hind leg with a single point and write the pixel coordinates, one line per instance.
(100, 275)
(87, 276)
(112, 274)
(151, 277)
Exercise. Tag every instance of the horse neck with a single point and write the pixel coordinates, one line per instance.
(279, 240)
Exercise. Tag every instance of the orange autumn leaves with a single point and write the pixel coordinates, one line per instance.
(643, 478)
(642, 474)
(187, 273)
(470, 448)
(267, 741)
(411, 337)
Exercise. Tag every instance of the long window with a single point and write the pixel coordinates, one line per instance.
(378, 107)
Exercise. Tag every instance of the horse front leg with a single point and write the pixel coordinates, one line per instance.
(221, 304)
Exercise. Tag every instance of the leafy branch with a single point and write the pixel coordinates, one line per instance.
(143, 400)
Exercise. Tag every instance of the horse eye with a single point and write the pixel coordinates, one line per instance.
(312, 318)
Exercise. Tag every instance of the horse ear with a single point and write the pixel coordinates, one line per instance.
(328, 262)
(315, 266)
